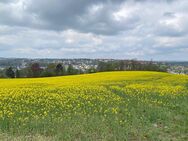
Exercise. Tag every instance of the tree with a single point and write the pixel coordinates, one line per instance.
(133, 64)
(121, 65)
(70, 70)
(107, 66)
(24, 72)
(34, 70)
(101, 67)
(91, 70)
(49, 71)
(9, 72)
(17, 73)
(59, 70)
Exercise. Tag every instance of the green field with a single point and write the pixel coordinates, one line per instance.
(130, 106)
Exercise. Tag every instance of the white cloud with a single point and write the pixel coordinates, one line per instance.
(94, 29)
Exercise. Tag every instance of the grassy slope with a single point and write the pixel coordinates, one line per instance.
(102, 106)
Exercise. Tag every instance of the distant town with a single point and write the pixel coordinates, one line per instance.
(23, 67)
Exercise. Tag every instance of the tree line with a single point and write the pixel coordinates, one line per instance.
(131, 65)
(35, 70)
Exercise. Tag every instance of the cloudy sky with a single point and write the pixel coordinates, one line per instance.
(124, 29)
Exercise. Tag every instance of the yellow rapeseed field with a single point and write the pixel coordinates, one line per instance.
(101, 106)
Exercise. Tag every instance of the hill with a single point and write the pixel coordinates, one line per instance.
(103, 106)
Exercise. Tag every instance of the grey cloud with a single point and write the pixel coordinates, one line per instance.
(62, 15)
(169, 14)
(78, 15)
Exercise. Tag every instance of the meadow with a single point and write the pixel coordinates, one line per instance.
(110, 106)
